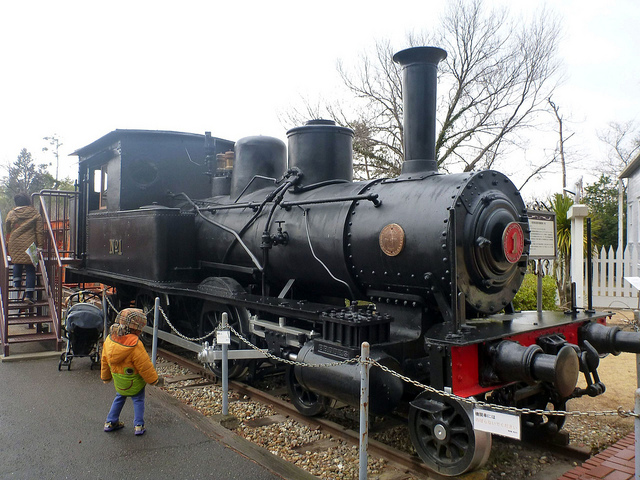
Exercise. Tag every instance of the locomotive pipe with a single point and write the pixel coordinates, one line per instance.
(514, 362)
(419, 81)
(610, 339)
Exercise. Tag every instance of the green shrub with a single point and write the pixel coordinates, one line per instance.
(526, 298)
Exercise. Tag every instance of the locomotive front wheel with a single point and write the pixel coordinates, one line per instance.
(307, 403)
(441, 430)
(210, 319)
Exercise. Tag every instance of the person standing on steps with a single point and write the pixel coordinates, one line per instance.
(22, 228)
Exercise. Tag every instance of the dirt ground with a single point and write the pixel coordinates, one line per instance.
(619, 375)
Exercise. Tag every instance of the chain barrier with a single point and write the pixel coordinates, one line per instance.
(173, 329)
(184, 337)
(292, 362)
(115, 310)
(475, 403)
(526, 411)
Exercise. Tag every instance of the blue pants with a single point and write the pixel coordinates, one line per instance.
(138, 408)
(30, 272)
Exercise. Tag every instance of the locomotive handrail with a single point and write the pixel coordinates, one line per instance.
(233, 206)
(226, 229)
(372, 197)
(255, 177)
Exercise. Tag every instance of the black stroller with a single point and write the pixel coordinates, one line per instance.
(83, 329)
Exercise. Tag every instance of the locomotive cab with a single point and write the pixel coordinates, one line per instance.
(128, 180)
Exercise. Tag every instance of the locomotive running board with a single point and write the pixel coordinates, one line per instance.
(213, 354)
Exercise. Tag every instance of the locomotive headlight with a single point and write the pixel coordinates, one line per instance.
(513, 242)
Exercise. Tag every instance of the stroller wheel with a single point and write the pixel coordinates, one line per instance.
(60, 365)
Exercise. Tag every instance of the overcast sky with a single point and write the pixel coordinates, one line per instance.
(80, 69)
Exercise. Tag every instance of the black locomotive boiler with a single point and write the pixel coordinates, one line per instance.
(309, 264)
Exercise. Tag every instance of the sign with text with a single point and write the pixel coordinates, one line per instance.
(500, 423)
(543, 237)
(223, 337)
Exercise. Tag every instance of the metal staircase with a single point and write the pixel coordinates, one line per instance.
(57, 209)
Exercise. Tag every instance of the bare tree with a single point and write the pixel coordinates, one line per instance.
(496, 78)
(623, 140)
(559, 153)
(55, 143)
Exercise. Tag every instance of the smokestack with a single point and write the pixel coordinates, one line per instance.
(419, 81)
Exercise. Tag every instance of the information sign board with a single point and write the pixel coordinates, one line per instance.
(543, 235)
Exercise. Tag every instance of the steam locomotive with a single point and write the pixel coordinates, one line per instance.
(309, 264)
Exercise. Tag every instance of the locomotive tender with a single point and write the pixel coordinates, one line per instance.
(309, 264)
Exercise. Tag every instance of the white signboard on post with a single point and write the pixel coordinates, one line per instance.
(223, 337)
(543, 235)
(500, 423)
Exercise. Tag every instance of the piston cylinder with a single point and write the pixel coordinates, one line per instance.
(343, 382)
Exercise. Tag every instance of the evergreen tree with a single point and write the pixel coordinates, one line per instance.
(602, 198)
(25, 176)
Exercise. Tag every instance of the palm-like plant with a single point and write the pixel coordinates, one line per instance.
(560, 205)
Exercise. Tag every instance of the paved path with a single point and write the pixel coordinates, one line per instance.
(615, 463)
(51, 427)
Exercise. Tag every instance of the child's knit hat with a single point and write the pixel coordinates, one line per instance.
(127, 320)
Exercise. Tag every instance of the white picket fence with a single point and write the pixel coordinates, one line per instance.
(610, 290)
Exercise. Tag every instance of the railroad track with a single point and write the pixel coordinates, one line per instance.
(408, 466)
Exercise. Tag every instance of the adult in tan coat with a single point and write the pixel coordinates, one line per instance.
(22, 228)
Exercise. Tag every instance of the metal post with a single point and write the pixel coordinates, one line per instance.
(225, 369)
(589, 269)
(539, 296)
(156, 321)
(105, 315)
(364, 408)
(636, 420)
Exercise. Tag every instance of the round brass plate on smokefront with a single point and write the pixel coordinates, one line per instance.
(392, 239)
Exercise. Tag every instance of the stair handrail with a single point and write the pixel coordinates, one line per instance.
(4, 289)
(53, 311)
(52, 237)
(69, 194)
(54, 292)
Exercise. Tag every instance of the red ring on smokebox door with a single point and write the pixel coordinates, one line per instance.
(513, 242)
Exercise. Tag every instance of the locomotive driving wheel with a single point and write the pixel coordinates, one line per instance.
(306, 402)
(441, 430)
(210, 319)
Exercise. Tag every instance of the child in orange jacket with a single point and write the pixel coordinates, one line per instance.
(125, 359)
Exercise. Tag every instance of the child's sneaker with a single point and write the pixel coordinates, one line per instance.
(111, 426)
(139, 430)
